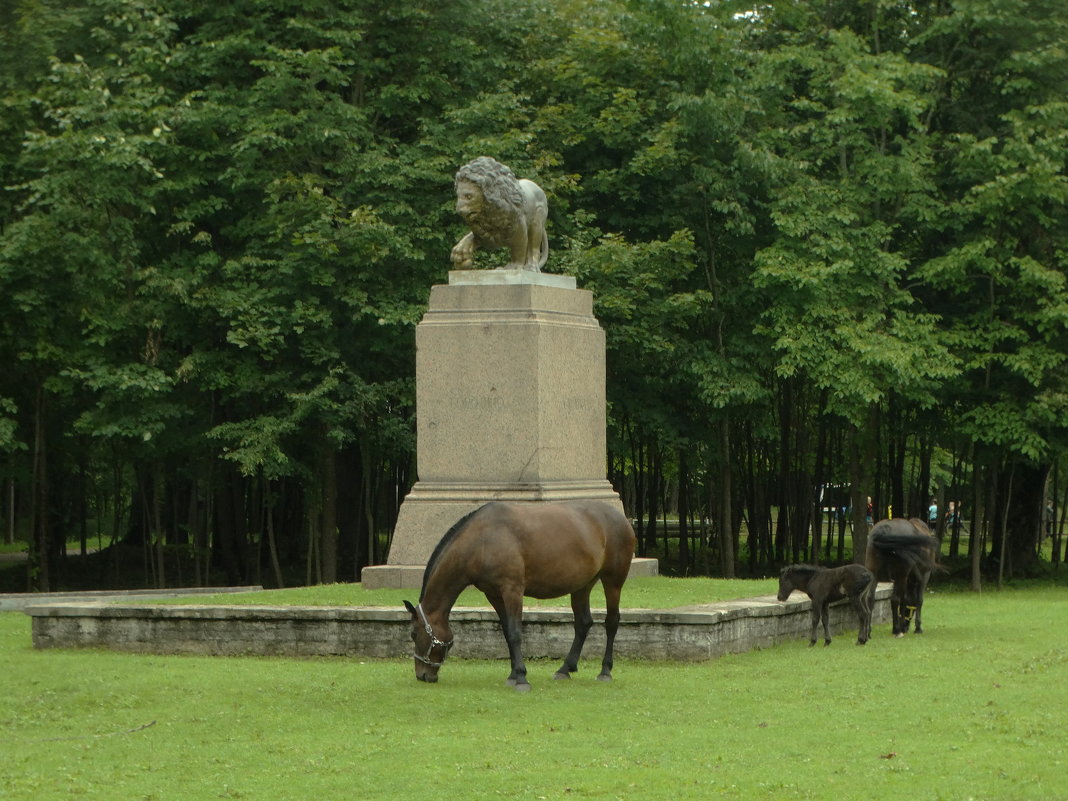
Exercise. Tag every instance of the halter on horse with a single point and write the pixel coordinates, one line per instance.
(537, 550)
(904, 552)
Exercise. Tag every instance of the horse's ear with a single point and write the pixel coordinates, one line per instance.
(410, 608)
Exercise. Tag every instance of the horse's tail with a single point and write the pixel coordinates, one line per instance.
(867, 595)
(869, 588)
(917, 550)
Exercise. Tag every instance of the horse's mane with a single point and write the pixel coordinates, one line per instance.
(802, 569)
(444, 543)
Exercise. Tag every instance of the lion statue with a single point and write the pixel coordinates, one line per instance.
(501, 211)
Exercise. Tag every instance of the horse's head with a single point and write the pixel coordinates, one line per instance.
(786, 583)
(430, 650)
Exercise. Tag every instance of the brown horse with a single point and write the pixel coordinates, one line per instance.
(825, 585)
(508, 551)
(904, 552)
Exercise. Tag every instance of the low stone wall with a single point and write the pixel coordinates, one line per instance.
(17, 601)
(689, 633)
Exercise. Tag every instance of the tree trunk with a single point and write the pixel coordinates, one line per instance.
(976, 539)
(684, 512)
(272, 545)
(652, 486)
(727, 554)
(327, 466)
(861, 459)
(783, 538)
(157, 523)
(818, 482)
(10, 538)
(40, 574)
(1023, 522)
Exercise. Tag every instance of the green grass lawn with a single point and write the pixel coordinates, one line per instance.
(975, 708)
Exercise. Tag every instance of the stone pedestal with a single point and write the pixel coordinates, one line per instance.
(510, 406)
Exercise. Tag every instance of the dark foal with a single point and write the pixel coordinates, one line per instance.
(826, 584)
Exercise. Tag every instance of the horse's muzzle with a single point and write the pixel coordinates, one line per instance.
(427, 674)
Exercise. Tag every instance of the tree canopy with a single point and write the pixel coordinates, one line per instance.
(827, 243)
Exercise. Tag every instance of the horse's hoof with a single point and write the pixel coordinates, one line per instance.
(899, 635)
(561, 674)
(826, 643)
(604, 677)
(522, 688)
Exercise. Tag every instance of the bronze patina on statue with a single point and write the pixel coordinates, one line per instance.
(503, 212)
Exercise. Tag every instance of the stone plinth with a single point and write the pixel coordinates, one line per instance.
(699, 632)
(510, 406)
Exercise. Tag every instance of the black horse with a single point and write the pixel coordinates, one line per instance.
(826, 584)
(906, 553)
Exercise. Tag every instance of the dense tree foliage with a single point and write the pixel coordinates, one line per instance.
(827, 243)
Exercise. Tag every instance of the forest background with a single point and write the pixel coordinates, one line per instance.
(826, 241)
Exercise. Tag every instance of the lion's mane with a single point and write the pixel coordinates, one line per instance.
(503, 199)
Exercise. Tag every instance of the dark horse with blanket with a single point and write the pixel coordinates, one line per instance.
(511, 550)
(904, 552)
(825, 585)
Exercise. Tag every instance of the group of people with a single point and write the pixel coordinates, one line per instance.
(952, 516)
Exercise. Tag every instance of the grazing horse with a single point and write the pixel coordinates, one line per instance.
(904, 552)
(508, 551)
(826, 584)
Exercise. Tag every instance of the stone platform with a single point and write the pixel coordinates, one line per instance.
(689, 633)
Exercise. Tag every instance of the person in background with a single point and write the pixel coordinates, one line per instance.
(952, 516)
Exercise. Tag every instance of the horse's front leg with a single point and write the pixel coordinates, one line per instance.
(510, 613)
(825, 616)
(580, 608)
(815, 617)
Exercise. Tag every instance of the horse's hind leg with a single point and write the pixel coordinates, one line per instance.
(611, 626)
(920, 591)
(867, 604)
(898, 599)
(580, 607)
(825, 616)
(860, 606)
